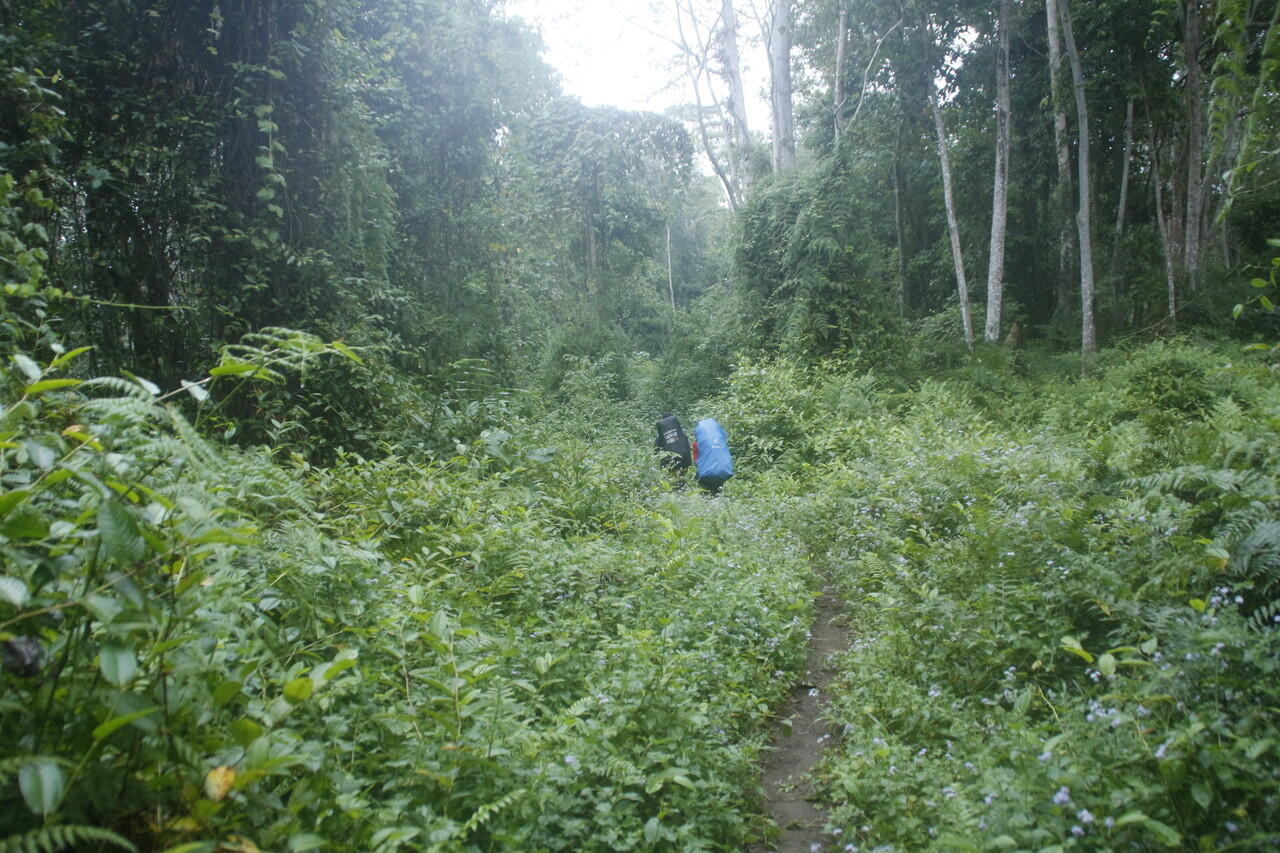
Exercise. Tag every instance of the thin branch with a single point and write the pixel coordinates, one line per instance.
(866, 74)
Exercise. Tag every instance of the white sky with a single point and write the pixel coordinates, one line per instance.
(610, 53)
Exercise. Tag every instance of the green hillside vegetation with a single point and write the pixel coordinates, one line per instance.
(332, 339)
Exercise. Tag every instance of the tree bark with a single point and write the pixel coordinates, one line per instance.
(1117, 279)
(1088, 334)
(695, 63)
(784, 134)
(1193, 222)
(1162, 225)
(1000, 190)
(953, 226)
(1062, 191)
(842, 38)
(732, 69)
(899, 225)
(671, 281)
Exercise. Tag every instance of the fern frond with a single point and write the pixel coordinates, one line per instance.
(54, 838)
(488, 810)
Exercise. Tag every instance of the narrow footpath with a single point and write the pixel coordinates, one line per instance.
(801, 738)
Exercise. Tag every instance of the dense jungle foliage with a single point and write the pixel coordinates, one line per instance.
(333, 335)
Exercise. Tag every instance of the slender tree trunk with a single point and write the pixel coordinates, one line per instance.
(784, 135)
(695, 57)
(899, 226)
(732, 67)
(1088, 334)
(1062, 191)
(1162, 225)
(842, 38)
(953, 226)
(1117, 274)
(1000, 191)
(1194, 218)
(671, 281)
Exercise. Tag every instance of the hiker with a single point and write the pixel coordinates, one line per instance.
(673, 444)
(715, 465)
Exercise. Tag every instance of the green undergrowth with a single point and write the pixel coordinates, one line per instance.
(531, 644)
(1064, 600)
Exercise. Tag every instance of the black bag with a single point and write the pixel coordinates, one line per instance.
(673, 444)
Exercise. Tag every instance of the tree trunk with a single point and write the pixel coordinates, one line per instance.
(899, 226)
(1088, 335)
(1000, 191)
(671, 281)
(1062, 191)
(732, 67)
(1194, 219)
(842, 37)
(953, 226)
(1171, 277)
(695, 58)
(1117, 274)
(784, 135)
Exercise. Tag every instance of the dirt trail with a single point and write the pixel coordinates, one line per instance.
(795, 750)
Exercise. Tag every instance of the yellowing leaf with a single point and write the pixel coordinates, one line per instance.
(218, 781)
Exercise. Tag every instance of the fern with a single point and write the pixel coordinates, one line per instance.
(486, 811)
(54, 838)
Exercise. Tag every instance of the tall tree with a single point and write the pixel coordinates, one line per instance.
(1000, 190)
(784, 132)
(731, 69)
(1193, 219)
(953, 224)
(1088, 332)
(1062, 206)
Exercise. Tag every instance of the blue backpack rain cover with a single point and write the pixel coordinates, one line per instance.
(714, 461)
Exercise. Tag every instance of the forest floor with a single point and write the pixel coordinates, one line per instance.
(794, 752)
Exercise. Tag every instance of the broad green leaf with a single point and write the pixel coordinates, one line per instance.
(103, 607)
(1197, 604)
(245, 731)
(1259, 282)
(42, 783)
(27, 366)
(298, 690)
(50, 385)
(225, 692)
(26, 523)
(1107, 664)
(1201, 795)
(1258, 747)
(104, 730)
(347, 351)
(42, 457)
(11, 499)
(1149, 646)
(1131, 817)
(1072, 645)
(118, 529)
(305, 841)
(1167, 834)
(14, 591)
(337, 668)
(68, 356)
(119, 665)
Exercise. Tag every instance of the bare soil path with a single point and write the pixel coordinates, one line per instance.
(795, 749)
